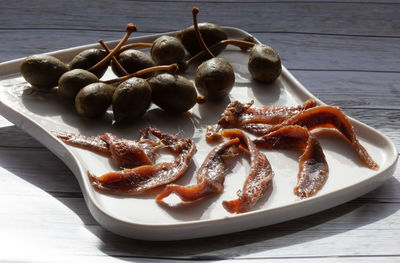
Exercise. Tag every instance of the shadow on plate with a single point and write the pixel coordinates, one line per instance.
(48, 104)
(332, 140)
(45, 103)
(210, 112)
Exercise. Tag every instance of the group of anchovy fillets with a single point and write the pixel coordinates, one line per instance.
(277, 127)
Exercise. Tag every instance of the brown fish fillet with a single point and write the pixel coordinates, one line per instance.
(126, 153)
(313, 168)
(258, 179)
(92, 143)
(138, 180)
(256, 120)
(330, 117)
(237, 114)
(210, 176)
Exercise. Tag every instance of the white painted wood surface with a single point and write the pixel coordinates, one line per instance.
(346, 53)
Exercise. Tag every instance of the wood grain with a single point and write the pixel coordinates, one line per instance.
(297, 51)
(303, 17)
(344, 52)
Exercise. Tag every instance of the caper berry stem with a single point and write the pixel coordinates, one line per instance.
(135, 45)
(195, 11)
(170, 68)
(114, 59)
(130, 28)
(201, 99)
(243, 43)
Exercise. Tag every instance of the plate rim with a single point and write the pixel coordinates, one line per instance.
(118, 225)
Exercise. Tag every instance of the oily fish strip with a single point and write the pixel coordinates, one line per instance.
(258, 179)
(210, 176)
(313, 167)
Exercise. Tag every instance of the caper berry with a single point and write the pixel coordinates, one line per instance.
(133, 60)
(264, 63)
(88, 58)
(71, 82)
(167, 50)
(42, 71)
(215, 78)
(173, 93)
(131, 100)
(211, 34)
(93, 100)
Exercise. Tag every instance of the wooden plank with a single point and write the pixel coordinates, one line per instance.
(264, 244)
(332, 52)
(305, 17)
(28, 42)
(374, 118)
(276, 1)
(12, 136)
(50, 222)
(40, 169)
(363, 90)
(297, 51)
(343, 52)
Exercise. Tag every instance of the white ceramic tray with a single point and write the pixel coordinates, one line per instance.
(140, 217)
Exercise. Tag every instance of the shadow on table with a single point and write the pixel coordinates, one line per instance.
(327, 223)
(321, 225)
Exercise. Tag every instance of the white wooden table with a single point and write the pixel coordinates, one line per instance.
(346, 53)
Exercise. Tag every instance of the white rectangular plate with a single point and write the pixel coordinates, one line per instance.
(39, 113)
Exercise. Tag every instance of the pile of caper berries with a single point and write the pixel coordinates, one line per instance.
(142, 79)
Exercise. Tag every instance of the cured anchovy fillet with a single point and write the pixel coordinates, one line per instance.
(213, 133)
(237, 114)
(137, 180)
(257, 128)
(330, 117)
(286, 137)
(210, 176)
(130, 153)
(92, 143)
(313, 168)
(256, 120)
(127, 153)
(257, 181)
